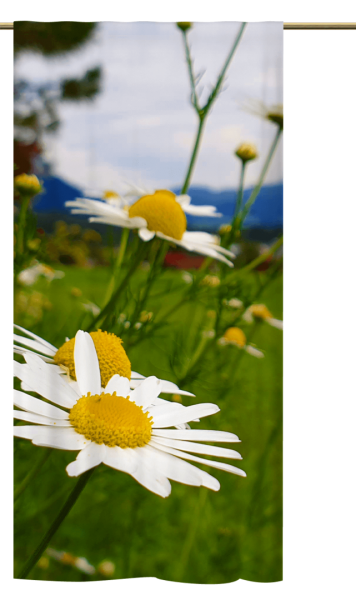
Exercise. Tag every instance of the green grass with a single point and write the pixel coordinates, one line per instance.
(195, 535)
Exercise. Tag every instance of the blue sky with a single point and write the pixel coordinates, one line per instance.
(141, 128)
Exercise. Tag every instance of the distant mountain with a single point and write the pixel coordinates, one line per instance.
(266, 213)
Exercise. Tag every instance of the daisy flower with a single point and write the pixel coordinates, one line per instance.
(162, 214)
(235, 336)
(130, 431)
(112, 357)
(260, 312)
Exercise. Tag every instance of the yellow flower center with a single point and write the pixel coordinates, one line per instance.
(234, 335)
(260, 311)
(162, 213)
(111, 420)
(108, 194)
(111, 355)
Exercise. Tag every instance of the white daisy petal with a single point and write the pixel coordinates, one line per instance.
(48, 346)
(146, 392)
(183, 200)
(92, 456)
(26, 402)
(40, 347)
(153, 481)
(39, 420)
(118, 384)
(200, 435)
(29, 432)
(206, 250)
(65, 439)
(86, 362)
(275, 322)
(135, 375)
(18, 350)
(171, 388)
(203, 461)
(201, 211)
(198, 448)
(254, 351)
(164, 416)
(145, 234)
(176, 469)
(47, 383)
(120, 459)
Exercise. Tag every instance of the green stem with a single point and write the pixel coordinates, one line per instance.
(191, 73)
(240, 192)
(203, 112)
(81, 483)
(257, 188)
(118, 263)
(32, 473)
(115, 296)
(225, 67)
(194, 155)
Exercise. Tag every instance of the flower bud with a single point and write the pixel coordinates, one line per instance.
(246, 152)
(27, 185)
(184, 26)
(235, 336)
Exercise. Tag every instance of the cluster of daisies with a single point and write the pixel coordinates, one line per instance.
(88, 400)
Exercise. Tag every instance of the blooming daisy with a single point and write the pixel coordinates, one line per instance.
(260, 312)
(162, 214)
(130, 431)
(112, 357)
(235, 336)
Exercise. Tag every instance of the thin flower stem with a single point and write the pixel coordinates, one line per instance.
(32, 474)
(118, 263)
(240, 192)
(191, 73)
(202, 112)
(257, 188)
(225, 67)
(73, 497)
(193, 158)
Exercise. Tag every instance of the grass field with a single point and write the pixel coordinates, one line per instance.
(195, 535)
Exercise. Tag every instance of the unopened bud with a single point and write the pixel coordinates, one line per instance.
(246, 152)
(27, 185)
(184, 25)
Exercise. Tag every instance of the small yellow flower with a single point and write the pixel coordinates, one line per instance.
(184, 25)
(246, 152)
(260, 311)
(27, 185)
(235, 335)
(176, 398)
